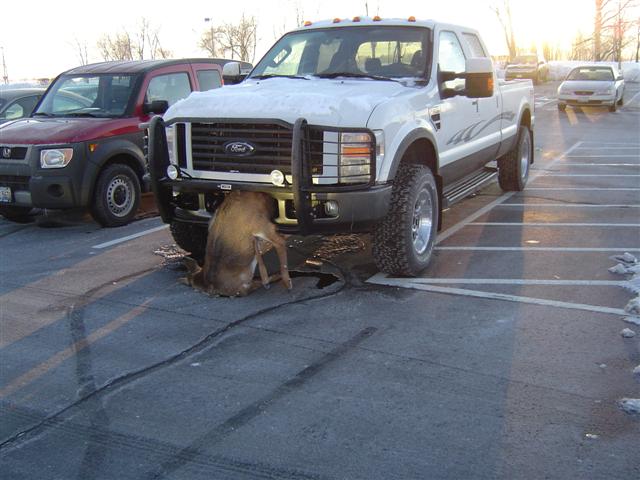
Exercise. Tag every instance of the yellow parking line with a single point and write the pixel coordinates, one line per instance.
(68, 352)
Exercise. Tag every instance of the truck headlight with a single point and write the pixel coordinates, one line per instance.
(356, 151)
(605, 91)
(55, 157)
(171, 143)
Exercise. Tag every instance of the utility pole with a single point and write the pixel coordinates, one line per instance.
(5, 75)
(366, 7)
(210, 21)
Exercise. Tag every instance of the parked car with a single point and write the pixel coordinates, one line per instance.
(18, 102)
(82, 147)
(592, 85)
(528, 66)
(365, 125)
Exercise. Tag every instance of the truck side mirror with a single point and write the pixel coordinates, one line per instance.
(479, 76)
(231, 73)
(157, 106)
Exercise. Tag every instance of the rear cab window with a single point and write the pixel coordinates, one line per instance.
(209, 79)
(474, 44)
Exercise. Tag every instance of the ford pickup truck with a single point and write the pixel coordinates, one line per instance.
(82, 147)
(363, 124)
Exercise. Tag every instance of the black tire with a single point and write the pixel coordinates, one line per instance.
(191, 238)
(402, 242)
(16, 214)
(562, 107)
(513, 167)
(116, 196)
(621, 101)
(613, 108)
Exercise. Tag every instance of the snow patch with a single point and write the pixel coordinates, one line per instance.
(626, 257)
(633, 307)
(633, 284)
(632, 319)
(630, 405)
(628, 333)
(636, 371)
(622, 269)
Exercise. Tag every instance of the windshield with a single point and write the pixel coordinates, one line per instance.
(383, 52)
(105, 95)
(591, 73)
(528, 59)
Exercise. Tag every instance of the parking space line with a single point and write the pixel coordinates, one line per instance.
(587, 175)
(497, 202)
(630, 101)
(622, 189)
(537, 249)
(580, 164)
(55, 360)
(554, 224)
(571, 205)
(519, 281)
(130, 237)
(381, 279)
(623, 155)
(618, 147)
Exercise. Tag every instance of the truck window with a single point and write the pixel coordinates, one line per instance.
(170, 87)
(209, 79)
(473, 42)
(451, 58)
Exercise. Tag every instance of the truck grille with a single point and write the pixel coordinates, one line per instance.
(583, 92)
(211, 147)
(12, 153)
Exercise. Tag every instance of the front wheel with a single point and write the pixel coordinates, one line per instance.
(403, 240)
(613, 108)
(192, 238)
(116, 197)
(621, 101)
(513, 167)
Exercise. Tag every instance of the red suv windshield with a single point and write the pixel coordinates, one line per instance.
(104, 95)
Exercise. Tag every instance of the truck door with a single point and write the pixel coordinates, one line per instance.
(489, 109)
(458, 116)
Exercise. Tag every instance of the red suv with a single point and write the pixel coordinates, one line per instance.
(82, 146)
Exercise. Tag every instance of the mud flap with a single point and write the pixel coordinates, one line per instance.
(158, 161)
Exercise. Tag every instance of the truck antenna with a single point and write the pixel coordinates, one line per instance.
(5, 76)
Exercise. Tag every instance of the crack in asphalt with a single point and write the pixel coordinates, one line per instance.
(127, 378)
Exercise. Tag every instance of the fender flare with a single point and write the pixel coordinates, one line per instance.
(407, 141)
(108, 149)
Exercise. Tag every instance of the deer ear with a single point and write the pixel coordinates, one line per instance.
(192, 266)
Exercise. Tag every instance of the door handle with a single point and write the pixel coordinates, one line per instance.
(475, 102)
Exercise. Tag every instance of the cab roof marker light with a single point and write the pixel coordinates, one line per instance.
(412, 18)
(308, 23)
(356, 19)
(376, 18)
(336, 20)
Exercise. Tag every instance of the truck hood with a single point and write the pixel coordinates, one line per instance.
(339, 102)
(45, 131)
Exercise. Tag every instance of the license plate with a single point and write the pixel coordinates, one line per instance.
(583, 100)
(5, 194)
(519, 76)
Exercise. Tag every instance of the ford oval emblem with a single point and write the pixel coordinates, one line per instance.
(239, 148)
(6, 152)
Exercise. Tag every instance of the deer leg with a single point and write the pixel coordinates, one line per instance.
(264, 276)
(280, 245)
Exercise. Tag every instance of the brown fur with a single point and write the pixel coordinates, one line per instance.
(239, 234)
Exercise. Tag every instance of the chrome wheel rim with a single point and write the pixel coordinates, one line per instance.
(422, 222)
(120, 196)
(525, 156)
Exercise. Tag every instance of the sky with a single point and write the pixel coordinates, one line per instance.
(38, 37)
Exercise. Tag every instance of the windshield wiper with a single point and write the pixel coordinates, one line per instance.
(80, 114)
(266, 77)
(354, 75)
(43, 114)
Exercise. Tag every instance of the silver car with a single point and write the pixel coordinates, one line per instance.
(592, 85)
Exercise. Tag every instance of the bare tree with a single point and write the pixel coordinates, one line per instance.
(239, 40)
(125, 46)
(504, 17)
(552, 52)
(81, 50)
(210, 43)
(581, 48)
(612, 28)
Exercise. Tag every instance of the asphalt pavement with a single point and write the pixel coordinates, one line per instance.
(504, 360)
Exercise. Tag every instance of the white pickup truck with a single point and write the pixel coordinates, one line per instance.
(364, 124)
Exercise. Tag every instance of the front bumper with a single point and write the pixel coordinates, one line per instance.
(301, 205)
(582, 100)
(32, 186)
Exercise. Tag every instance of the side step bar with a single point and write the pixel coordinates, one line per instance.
(468, 185)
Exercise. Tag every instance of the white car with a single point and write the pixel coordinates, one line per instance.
(592, 85)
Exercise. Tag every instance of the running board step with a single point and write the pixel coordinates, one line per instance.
(468, 185)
